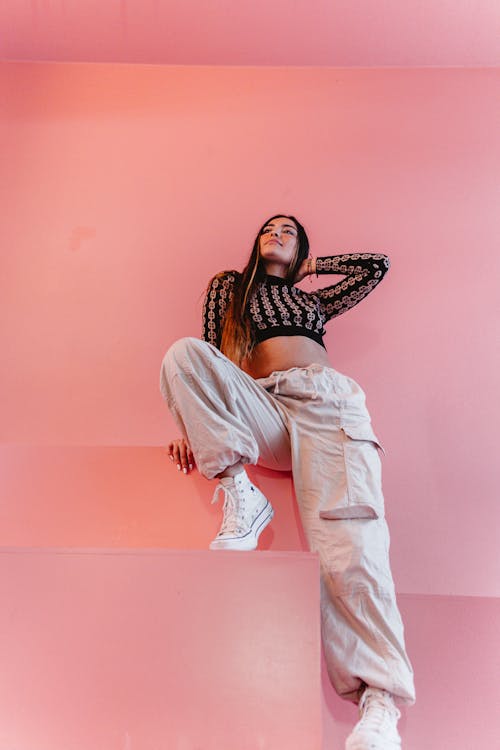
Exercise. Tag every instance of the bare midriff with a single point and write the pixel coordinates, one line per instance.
(284, 352)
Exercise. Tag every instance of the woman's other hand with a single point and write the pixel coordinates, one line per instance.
(306, 268)
(181, 454)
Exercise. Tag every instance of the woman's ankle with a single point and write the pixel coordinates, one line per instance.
(231, 471)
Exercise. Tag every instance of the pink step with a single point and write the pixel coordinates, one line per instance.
(100, 496)
(154, 649)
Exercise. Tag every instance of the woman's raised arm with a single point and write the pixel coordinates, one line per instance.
(363, 272)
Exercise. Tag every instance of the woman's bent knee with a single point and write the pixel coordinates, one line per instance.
(184, 356)
(184, 346)
(182, 351)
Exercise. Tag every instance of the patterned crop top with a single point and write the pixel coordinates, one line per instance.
(278, 308)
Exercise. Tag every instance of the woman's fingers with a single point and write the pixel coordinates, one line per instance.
(180, 453)
(173, 451)
(183, 455)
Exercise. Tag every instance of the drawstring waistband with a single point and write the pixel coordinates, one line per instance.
(312, 371)
(276, 388)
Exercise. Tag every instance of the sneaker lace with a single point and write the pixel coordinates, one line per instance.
(377, 710)
(233, 514)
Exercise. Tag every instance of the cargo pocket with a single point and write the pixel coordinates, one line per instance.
(363, 496)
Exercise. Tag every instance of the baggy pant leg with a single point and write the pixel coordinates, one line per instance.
(337, 480)
(225, 414)
(362, 630)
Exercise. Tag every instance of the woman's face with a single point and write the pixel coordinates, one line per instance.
(278, 245)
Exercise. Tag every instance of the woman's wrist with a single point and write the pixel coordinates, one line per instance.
(311, 265)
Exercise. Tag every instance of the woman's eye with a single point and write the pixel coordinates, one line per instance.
(287, 231)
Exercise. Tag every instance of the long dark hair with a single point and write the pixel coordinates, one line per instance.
(237, 335)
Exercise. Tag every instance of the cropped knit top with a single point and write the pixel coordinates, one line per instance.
(279, 308)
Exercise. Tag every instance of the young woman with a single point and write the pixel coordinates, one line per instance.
(259, 388)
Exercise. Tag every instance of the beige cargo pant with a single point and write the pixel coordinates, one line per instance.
(312, 420)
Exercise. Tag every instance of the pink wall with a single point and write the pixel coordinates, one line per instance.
(124, 188)
(270, 32)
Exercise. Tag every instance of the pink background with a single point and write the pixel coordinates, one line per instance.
(124, 188)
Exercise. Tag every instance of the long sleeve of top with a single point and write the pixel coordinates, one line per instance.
(363, 272)
(279, 308)
(217, 299)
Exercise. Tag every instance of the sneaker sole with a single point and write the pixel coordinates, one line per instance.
(363, 743)
(248, 542)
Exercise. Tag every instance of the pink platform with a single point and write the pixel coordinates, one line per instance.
(147, 649)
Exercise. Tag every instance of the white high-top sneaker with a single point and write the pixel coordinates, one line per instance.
(246, 513)
(377, 727)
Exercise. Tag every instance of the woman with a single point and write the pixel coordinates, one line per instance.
(260, 388)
